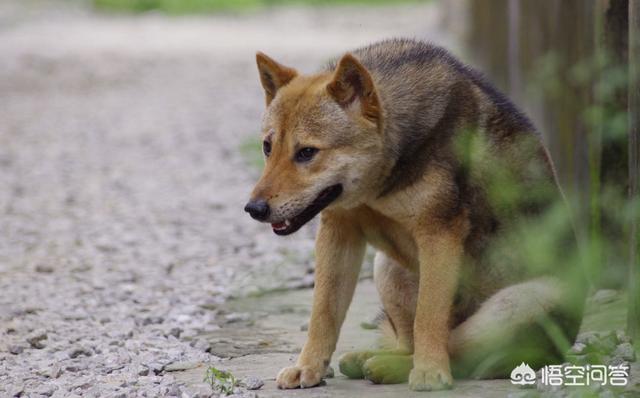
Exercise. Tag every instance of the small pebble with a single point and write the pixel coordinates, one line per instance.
(156, 367)
(44, 269)
(78, 351)
(144, 371)
(173, 391)
(180, 366)
(36, 340)
(626, 352)
(175, 332)
(55, 371)
(622, 336)
(152, 320)
(252, 383)
(578, 348)
(201, 344)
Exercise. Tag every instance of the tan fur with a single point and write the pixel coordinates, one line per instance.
(385, 120)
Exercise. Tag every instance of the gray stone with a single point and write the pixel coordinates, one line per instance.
(47, 390)
(55, 371)
(144, 371)
(626, 352)
(176, 332)
(201, 344)
(622, 336)
(237, 317)
(36, 339)
(615, 361)
(243, 394)
(173, 391)
(75, 352)
(16, 349)
(252, 383)
(15, 390)
(182, 365)
(578, 348)
(598, 342)
(155, 367)
(76, 367)
(152, 320)
(44, 268)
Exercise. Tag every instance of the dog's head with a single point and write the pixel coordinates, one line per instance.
(321, 138)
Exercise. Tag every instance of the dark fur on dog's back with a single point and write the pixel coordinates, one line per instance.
(429, 100)
(402, 70)
(435, 97)
(388, 57)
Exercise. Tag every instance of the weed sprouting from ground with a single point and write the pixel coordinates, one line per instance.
(220, 381)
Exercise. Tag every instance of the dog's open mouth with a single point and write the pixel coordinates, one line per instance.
(323, 200)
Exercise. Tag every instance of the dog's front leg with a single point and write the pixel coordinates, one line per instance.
(440, 257)
(339, 252)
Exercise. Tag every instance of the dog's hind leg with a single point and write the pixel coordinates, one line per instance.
(532, 322)
(398, 290)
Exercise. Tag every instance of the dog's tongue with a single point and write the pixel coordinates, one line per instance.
(280, 225)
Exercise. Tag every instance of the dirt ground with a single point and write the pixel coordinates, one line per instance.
(122, 184)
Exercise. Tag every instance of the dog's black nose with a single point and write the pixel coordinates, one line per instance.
(258, 209)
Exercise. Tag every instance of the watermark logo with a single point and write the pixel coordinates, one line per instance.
(523, 375)
(572, 375)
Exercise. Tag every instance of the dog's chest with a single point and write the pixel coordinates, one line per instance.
(390, 237)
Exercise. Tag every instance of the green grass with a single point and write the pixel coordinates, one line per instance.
(180, 7)
(220, 381)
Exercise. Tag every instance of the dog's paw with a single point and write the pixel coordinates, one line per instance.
(430, 377)
(299, 376)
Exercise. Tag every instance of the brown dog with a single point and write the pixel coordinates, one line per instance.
(401, 146)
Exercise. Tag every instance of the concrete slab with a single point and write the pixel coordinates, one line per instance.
(270, 332)
(272, 337)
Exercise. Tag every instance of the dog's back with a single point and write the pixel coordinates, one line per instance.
(438, 111)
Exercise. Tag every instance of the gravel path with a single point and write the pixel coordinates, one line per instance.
(122, 186)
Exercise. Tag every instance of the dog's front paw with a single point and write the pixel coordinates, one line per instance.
(299, 376)
(430, 377)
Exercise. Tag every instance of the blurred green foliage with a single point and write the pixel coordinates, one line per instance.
(179, 7)
(251, 150)
(601, 209)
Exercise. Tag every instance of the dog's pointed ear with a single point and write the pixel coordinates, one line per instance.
(273, 75)
(352, 83)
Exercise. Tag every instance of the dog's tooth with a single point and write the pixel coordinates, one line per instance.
(287, 222)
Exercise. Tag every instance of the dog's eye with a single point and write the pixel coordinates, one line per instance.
(305, 154)
(266, 148)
